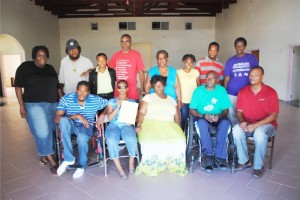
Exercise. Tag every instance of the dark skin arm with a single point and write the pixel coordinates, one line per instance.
(226, 81)
(61, 113)
(141, 114)
(21, 102)
(208, 117)
(250, 127)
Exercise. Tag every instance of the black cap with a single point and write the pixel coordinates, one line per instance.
(72, 44)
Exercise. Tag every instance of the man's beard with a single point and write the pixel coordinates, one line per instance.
(74, 58)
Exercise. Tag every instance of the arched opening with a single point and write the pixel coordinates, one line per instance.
(12, 54)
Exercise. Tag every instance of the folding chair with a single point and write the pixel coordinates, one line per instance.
(122, 146)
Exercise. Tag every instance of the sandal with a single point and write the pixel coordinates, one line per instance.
(123, 176)
(131, 171)
(43, 161)
(53, 170)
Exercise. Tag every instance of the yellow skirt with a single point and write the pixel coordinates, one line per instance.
(163, 146)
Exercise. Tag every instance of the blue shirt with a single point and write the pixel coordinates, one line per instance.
(113, 104)
(210, 101)
(171, 80)
(238, 69)
(69, 104)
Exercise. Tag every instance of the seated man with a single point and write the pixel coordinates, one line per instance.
(257, 110)
(75, 115)
(210, 104)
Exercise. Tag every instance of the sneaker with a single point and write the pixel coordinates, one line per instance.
(208, 164)
(257, 173)
(101, 163)
(78, 173)
(62, 168)
(243, 166)
(221, 163)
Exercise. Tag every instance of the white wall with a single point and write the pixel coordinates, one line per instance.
(177, 41)
(31, 25)
(268, 25)
(295, 86)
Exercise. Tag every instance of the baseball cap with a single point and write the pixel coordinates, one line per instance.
(72, 44)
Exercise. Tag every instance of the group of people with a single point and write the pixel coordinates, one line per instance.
(215, 95)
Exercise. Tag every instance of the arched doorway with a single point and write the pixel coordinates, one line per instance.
(12, 54)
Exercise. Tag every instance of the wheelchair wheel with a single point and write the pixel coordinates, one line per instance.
(189, 141)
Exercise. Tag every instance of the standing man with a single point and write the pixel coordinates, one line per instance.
(210, 63)
(257, 111)
(72, 67)
(75, 115)
(237, 74)
(127, 63)
(210, 105)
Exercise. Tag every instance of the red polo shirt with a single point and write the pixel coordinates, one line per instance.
(259, 106)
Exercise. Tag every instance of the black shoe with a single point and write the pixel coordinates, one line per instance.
(257, 173)
(221, 163)
(208, 164)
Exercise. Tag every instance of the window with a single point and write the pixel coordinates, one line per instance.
(188, 26)
(160, 25)
(127, 26)
(94, 26)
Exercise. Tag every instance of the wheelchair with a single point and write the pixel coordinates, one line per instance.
(95, 144)
(194, 148)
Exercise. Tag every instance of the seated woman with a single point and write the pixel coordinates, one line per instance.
(116, 130)
(163, 143)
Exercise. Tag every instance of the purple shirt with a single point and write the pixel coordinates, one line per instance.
(237, 68)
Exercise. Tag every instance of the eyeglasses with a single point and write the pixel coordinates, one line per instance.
(122, 87)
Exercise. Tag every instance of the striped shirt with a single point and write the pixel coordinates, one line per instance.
(69, 104)
(205, 65)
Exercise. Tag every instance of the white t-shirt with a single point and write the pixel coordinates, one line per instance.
(70, 71)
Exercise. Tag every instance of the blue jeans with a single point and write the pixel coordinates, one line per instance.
(184, 114)
(113, 135)
(40, 119)
(68, 127)
(223, 125)
(260, 135)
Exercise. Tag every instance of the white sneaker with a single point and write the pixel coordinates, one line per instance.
(63, 166)
(78, 173)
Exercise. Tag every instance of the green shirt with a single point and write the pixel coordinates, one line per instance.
(210, 101)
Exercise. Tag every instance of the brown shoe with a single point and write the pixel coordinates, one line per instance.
(257, 173)
(243, 166)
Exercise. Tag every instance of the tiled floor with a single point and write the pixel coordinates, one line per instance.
(22, 177)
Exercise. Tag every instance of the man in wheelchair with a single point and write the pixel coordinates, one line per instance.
(75, 115)
(210, 105)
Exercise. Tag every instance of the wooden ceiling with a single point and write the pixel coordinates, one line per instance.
(133, 8)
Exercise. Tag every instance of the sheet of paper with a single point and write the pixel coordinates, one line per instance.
(128, 112)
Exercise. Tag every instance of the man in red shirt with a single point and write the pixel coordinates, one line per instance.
(127, 63)
(257, 111)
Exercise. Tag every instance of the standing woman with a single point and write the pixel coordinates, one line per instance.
(39, 101)
(189, 80)
(172, 87)
(102, 80)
